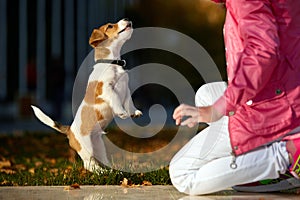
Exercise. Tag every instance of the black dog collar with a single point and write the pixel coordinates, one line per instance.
(116, 62)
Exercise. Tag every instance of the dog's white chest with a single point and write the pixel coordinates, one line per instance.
(108, 73)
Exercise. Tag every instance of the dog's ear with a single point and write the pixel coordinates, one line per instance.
(97, 36)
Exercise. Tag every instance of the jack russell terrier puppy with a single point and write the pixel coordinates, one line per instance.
(107, 94)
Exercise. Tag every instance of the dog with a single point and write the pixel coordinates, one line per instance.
(107, 95)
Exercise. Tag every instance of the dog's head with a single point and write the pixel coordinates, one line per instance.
(111, 33)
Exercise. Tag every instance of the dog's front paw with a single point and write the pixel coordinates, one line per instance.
(137, 113)
(123, 115)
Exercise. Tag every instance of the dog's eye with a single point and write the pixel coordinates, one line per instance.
(109, 26)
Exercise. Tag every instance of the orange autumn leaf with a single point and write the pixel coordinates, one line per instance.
(20, 167)
(38, 164)
(75, 186)
(7, 171)
(31, 170)
(125, 182)
(128, 184)
(72, 187)
(5, 163)
(146, 183)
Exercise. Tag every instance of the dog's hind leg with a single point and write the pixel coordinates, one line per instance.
(98, 146)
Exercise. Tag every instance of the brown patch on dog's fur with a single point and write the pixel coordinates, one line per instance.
(99, 88)
(97, 37)
(61, 128)
(67, 130)
(110, 30)
(99, 101)
(103, 36)
(88, 120)
(101, 53)
(73, 141)
(99, 116)
(93, 90)
(103, 33)
(89, 116)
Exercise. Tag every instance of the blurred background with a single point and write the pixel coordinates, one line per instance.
(44, 42)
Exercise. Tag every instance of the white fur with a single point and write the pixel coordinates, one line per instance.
(42, 117)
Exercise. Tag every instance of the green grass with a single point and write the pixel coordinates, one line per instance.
(46, 159)
(65, 174)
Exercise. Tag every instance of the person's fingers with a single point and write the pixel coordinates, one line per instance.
(179, 113)
(190, 122)
(175, 113)
(178, 121)
(183, 111)
(178, 110)
(186, 122)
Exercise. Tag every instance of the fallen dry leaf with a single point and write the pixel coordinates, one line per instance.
(31, 170)
(4, 182)
(146, 183)
(128, 184)
(75, 186)
(72, 187)
(54, 171)
(5, 163)
(20, 167)
(5, 167)
(38, 164)
(51, 161)
(7, 171)
(124, 183)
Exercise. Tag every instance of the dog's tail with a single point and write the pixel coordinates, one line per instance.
(49, 122)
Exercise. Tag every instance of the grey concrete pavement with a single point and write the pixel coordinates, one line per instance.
(119, 192)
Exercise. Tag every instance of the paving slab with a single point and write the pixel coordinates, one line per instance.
(119, 192)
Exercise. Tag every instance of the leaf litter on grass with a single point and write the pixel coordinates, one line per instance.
(46, 159)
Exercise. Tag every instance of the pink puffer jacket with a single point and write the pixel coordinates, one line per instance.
(262, 39)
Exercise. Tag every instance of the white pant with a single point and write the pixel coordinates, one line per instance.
(202, 166)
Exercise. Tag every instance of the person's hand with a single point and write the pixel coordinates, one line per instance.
(194, 115)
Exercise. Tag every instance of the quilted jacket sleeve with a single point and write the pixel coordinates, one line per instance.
(256, 59)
